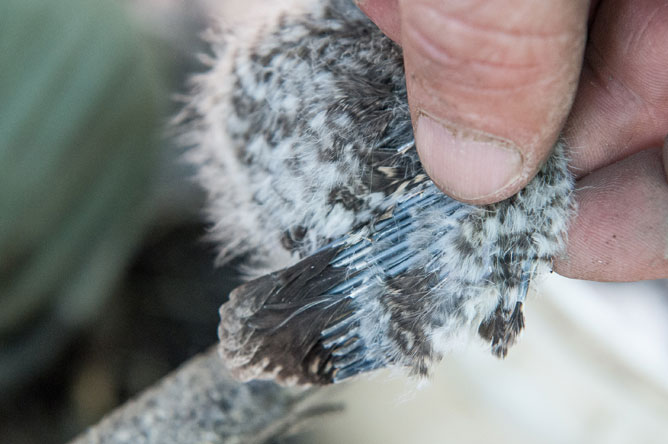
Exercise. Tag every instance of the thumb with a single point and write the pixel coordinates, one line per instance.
(489, 85)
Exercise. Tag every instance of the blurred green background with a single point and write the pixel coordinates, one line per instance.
(105, 284)
(82, 101)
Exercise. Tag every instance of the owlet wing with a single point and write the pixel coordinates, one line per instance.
(397, 292)
(332, 315)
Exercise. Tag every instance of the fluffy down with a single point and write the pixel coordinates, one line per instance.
(303, 140)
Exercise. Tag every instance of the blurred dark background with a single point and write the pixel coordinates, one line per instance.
(106, 281)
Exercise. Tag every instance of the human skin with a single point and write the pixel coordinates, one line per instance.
(492, 84)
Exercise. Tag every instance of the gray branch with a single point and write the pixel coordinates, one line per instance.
(201, 403)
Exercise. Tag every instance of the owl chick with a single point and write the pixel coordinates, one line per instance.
(303, 140)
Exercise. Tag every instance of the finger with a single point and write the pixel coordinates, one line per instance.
(489, 85)
(621, 230)
(593, 8)
(385, 14)
(622, 103)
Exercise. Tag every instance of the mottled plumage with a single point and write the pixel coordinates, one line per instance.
(304, 142)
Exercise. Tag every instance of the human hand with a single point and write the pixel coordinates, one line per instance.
(497, 81)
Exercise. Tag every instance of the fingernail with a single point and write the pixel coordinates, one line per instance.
(466, 164)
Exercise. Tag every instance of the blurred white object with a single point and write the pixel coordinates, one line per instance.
(592, 367)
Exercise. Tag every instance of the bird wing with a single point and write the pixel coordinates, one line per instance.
(303, 324)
